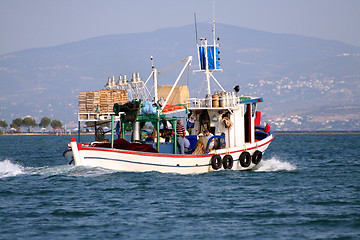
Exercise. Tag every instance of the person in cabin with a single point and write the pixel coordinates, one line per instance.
(186, 141)
(165, 131)
(151, 137)
(180, 133)
(204, 120)
(208, 135)
(200, 145)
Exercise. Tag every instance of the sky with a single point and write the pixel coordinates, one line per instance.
(43, 23)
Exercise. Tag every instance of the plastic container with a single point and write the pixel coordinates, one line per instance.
(215, 100)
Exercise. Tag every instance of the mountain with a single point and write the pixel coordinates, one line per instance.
(294, 74)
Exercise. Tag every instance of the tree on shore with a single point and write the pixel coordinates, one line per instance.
(3, 124)
(29, 123)
(55, 124)
(17, 123)
(45, 122)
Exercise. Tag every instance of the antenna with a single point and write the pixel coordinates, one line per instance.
(196, 34)
(213, 30)
(214, 10)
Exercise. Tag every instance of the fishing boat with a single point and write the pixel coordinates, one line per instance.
(231, 124)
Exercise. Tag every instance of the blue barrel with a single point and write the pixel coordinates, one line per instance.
(192, 139)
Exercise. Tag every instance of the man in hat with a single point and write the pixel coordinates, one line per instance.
(201, 144)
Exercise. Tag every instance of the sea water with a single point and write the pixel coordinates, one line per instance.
(306, 187)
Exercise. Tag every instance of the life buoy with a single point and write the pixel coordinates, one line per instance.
(245, 159)
(216, 162)
(227, 161)
(256, 157)
(227, 122)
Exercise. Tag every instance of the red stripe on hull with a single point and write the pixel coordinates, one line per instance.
(166, 155)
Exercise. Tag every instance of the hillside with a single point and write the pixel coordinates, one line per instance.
(294, 74)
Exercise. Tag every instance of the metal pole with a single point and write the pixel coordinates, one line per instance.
(155, 85)
(122, 129)
(112, 131)
(207, 73)
(175, 135)
(178, 78)
(158, 133)
(78, 131)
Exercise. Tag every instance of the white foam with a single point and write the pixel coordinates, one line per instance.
(92, 172)
(50, 170)
(69, 170)
(273, 165)
(9, 169)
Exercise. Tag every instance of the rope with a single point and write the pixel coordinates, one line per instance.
(227, 122)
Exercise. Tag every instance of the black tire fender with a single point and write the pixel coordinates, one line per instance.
(216, 162)
(256, 157)
(245, 159)
(227, 161)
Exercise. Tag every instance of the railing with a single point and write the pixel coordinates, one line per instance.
(211, 102)
(97, 116)
(222, 142)
(225, 101)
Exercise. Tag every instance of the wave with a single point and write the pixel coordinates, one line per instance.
(273, 165)
(9, 169)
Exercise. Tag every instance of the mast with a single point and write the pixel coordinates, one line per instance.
(208, 56)
(207, 72)
(214, 38)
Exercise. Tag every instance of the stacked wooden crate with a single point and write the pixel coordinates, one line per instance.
(120, 97)
(92, 101)
(103, 100)
(82, 102)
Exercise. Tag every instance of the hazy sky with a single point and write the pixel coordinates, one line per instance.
(42, 23)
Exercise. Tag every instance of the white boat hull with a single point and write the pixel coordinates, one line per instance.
(134, 161)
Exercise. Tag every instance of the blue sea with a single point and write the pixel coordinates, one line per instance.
(307, 187)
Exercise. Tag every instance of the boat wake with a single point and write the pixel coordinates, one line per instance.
(273, 165)
(9, 169)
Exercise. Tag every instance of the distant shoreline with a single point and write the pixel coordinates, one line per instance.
(45, 134)
(276, 133)
(314, 133)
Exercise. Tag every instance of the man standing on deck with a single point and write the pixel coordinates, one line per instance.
(180, 133)
(208, 135)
